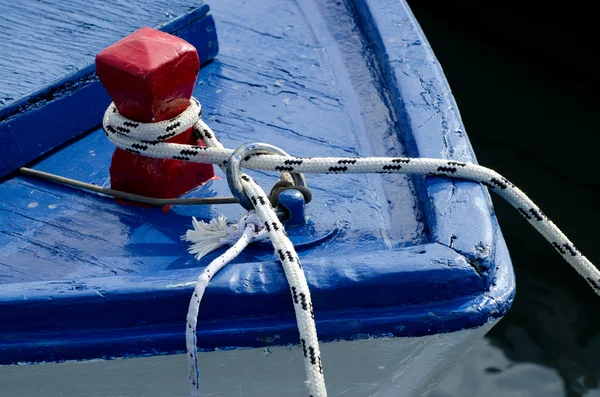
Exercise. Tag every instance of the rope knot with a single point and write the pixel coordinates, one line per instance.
(251, 218)
(207, 237)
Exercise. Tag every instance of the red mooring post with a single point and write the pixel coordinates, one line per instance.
(150, 76)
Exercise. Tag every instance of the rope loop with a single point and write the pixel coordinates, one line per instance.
(245, 152)
(149, 133)
(147, 139)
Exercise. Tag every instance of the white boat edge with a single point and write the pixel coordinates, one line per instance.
(378, 367)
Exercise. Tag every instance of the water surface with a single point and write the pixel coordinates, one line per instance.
(529, 102)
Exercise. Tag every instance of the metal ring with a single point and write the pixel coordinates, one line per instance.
(234, 173)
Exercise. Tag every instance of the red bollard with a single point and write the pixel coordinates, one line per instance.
(150, 76)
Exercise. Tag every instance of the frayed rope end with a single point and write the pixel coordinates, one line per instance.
(207, 237)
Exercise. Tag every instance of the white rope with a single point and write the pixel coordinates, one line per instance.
(292, 267)
(251, 229)
(146, 139)
(207, 237)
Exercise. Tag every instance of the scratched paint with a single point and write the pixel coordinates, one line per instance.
(67, 36)
(313, 78)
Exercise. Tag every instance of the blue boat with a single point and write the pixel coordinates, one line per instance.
(406, 272)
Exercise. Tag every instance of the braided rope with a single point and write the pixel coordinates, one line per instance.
(147, 139)
(192, 317)
(147, 142)
(292, 267)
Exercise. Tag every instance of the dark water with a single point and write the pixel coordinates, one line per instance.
(527, 88)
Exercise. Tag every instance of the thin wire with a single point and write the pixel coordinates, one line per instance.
(124, 195)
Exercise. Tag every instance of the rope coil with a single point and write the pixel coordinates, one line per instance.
(146, 139)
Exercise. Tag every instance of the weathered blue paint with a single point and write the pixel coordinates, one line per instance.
(420, 94)
(82, 276)
(68, 35)
(144, 335)
(75, 103)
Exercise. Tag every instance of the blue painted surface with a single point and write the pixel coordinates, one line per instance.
(82, 276)
(419, 92)
(294, 203)
(75, 103)
(69, 33)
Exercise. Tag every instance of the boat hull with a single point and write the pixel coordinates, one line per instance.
(405, 272)
(378, 367)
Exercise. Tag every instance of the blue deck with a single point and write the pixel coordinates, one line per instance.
(82, 276)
